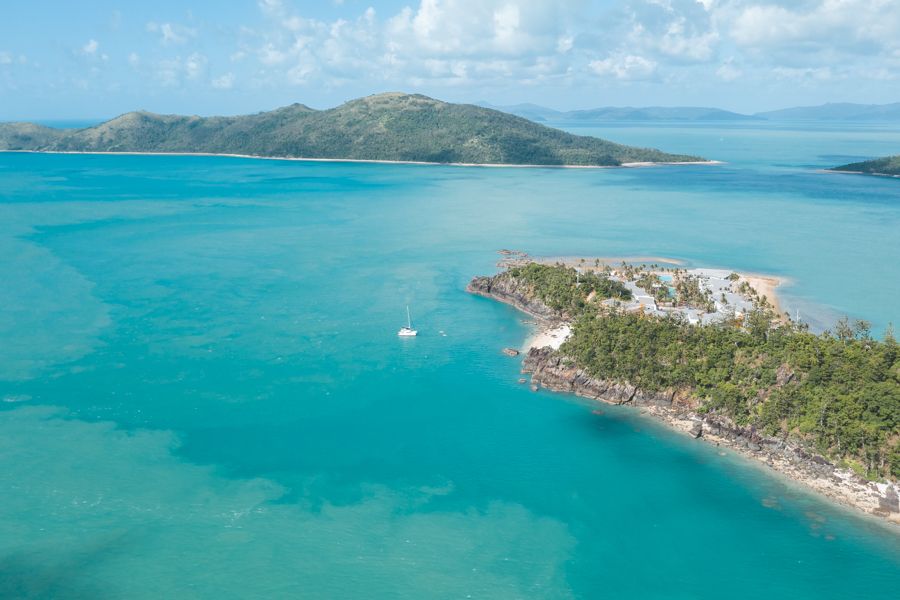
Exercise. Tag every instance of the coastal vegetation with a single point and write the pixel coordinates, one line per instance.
(889, 165)
(653, 284)
(838, 391)
(390, 127)
(565, 289)
(689, 292)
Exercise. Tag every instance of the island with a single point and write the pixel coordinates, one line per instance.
(539, 113)
(392, 127)
(842, 111)
(836, 111)
(888, 166)
(708, 352)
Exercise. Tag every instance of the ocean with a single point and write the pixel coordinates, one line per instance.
(202, 393)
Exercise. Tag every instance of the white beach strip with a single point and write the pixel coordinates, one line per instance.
(767, 285)
(549, 336)
(655, 164)
(857, 173)
(369, 161)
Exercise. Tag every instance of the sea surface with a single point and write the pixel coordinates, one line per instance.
(202, 394)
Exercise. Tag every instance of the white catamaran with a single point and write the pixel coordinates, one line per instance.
(407, 331)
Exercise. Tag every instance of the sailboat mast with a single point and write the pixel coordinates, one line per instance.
(408, 319)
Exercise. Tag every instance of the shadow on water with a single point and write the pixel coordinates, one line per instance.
(47, 573)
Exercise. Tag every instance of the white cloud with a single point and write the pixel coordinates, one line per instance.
(134, 60)
(174, 72)
(225, 82)
(171, 33)
(679, 41)
(194, 65)
(804, 75)
(6, 58)
(727, 71)
(817, 31)
(445, 41)
(269, 55)
(673, 31)
(500, 28)
(624, 66)
(469, 42)
(482, 43)
(90, 48)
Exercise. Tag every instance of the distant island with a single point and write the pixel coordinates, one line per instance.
(622, 113)
(844, 111)
(836, 111)
(889, 166)
(707, 352)
(393, 127)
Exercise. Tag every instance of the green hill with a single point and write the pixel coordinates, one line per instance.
(890, 165)
(837, 392)
(393, 127)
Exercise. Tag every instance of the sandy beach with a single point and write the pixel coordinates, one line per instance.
(765, 285)
(857, 173)
(555, 333)
(552, 335)
(653, 164)
(374, 161)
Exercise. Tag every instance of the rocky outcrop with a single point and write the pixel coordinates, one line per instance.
(552, 370)
(696, 429)
(509, 290)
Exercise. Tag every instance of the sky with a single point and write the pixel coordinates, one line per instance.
(100, 58)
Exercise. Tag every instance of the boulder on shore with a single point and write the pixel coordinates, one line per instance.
(696, 429)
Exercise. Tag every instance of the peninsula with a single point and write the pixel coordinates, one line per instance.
(707, 353)
(392, 127)
(888, 166)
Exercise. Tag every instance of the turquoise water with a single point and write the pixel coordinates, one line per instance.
(204, 395)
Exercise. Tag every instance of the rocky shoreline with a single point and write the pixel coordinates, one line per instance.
(550, 369)
(511, 291)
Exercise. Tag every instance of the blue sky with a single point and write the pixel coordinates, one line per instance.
(104, 57)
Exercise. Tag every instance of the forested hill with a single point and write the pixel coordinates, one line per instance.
(838, 392)
(393, 127)
(889, 165)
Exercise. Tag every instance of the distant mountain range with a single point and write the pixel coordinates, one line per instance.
(842, 111)
(826, 112)
(384, 127)
(610, 113)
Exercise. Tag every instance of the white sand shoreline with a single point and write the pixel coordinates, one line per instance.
(554, 333)
(859, 173)
(765, 284)
(369, 161)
